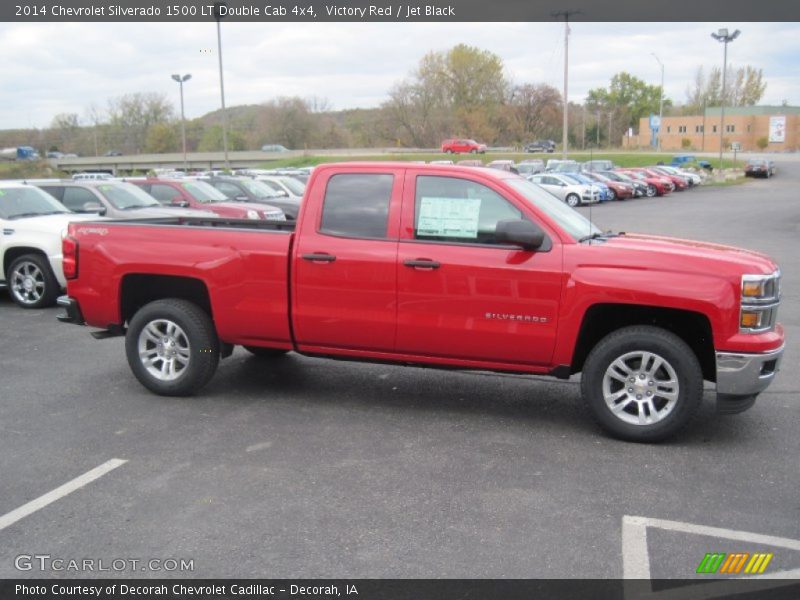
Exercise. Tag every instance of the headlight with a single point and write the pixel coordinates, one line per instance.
(252, 214)
(760, 298)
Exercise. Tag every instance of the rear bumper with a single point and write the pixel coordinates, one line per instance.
(72, 312)
(746, 374)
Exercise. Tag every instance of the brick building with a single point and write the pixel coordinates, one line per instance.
(778, 125)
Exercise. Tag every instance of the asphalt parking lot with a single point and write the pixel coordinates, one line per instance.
(313, 468)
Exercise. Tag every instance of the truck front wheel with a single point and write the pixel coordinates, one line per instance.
(172, 347)
(642, 383)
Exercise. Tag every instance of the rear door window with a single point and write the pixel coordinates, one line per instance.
(357, 205)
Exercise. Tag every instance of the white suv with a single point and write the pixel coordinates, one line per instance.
(33, 223)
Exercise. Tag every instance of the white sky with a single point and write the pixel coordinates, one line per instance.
(50, 68)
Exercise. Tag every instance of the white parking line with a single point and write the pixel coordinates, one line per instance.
(61, 491)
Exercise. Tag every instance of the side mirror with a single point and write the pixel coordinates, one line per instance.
(520, 233)
(94, 207)
(180, 202)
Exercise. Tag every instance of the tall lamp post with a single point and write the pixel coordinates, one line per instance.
(181, 79)
(724, 37)
(660, 102)
(218, 16)
(565, 126)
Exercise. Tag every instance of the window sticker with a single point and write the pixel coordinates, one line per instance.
(449, 217)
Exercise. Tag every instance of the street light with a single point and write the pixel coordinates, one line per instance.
(181, 79)
(723, 37)
(218, 16)
(660, 102)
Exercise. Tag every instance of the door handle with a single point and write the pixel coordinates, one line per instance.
(319, 257)
(422, 263)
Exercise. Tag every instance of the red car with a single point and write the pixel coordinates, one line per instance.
(619, 189)
(443, 266)
(656, 186)
(190, 193)
(462, 146)
(679, 182)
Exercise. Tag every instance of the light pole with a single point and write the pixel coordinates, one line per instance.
(723, 36)
(565, 134)
(660, 102)
(218, 15)
(181, 80)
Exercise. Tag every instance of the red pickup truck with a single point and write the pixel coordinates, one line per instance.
(440, 266)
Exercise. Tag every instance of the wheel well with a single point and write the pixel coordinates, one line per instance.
(138, 290)
(692, 327)
(13, 254)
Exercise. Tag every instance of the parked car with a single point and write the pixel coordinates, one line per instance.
(598, 165)
(639, 186)
(274, 148)
(503, 165)
(461, 145)
(605, 191)
(559, 165)
(574, 194)
(693, 179)
(679, 184)
(540, 146)
(183, 194)
(757, 167)
(618, 190)
(283, 184)
(115, 199)
(470, 163)
(530, 166)
(54, 154)
(113, 153)
(91, 176)
(32, 223)
(245, 189)
(656, 186)
(491, 272)
(685, 160)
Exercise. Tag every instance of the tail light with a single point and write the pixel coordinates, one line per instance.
(69, 250)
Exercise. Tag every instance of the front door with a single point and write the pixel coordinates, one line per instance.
(463, 295)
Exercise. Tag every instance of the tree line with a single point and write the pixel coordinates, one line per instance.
(462, 92)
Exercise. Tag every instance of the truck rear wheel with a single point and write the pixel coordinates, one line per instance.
(172, 347)
(642, 384)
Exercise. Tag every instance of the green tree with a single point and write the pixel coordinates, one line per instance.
(212, 140)
(161, 138)
(130, 117)
(744, 86)
(629, 95)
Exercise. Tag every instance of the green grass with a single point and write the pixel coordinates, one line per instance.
(27, 169)
(631, 159)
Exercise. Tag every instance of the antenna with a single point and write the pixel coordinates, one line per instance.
(591, 188)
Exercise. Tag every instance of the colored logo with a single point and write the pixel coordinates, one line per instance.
(736, 562)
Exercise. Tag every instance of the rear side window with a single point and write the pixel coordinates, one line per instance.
(357, 205)
(75, 198)
(163, 193)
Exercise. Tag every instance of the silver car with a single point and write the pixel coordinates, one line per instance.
(572, 193)
(114, 199)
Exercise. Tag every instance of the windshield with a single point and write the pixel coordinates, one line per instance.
(18, 202)
(204, 192)
(126, 196)
(298, 188)
(258, 189)
(569, 219)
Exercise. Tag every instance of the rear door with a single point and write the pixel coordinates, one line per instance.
(463, 295)
(344, 262)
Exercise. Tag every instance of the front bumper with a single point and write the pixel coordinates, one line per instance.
(73, 311)
(746, 374)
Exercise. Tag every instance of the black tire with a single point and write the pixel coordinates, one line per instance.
(31, 282)
(196, 333)
(573, 200)
(473, 151)
(679, 361)
(265, 352)
(448, 151)
(612, 195)
(652, 191)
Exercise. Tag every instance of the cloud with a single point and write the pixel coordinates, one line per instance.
(64, 67)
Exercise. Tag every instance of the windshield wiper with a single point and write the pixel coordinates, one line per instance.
(600, 235)
(37, 214)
